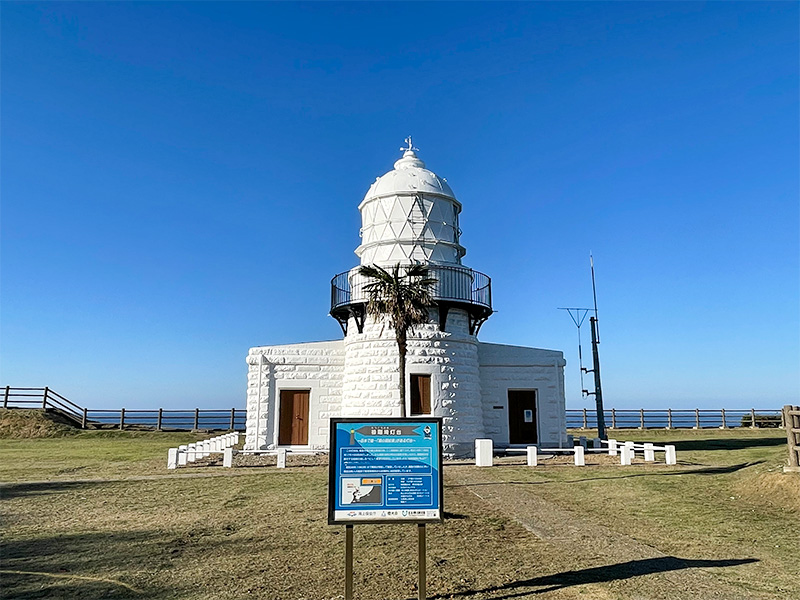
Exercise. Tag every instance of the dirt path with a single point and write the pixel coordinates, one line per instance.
(594, 561)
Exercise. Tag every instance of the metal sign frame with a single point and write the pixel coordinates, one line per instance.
(383, 512)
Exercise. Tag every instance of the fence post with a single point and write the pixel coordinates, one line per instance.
(613, 418)
(122, 419)
(641, 418)
(670, 456)
(172, 458)
(612, 447)
(533, 458)
(233, 417)
(483, 452)
(84, 418)
(44, 398)
(649, 452)
(697, 418)
(792, 420)
(580, 460)
(669, 418)
(196, 419)
(724, 424)
(585, 422)
(752, 418)
(5, 398)
(158, 423)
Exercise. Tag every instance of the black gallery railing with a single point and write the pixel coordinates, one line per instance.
(453, 284)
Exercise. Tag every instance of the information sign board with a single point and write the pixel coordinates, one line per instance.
(385, 470)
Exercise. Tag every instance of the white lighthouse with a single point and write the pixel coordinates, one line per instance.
(512, 394)
(410, 215)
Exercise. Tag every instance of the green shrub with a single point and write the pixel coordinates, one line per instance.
(762, 421)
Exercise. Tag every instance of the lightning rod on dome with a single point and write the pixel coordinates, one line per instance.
(411, 147)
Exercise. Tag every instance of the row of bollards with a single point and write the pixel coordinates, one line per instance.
(189, 453)
(484, 452)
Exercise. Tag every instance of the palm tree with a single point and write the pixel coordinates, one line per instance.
(404, 299)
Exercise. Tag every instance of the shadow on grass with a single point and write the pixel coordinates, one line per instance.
(728, 444)
(40, 488)
(626, 570)
(455, 516)
(95, 566)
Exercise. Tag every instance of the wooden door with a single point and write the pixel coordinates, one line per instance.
(293, 418)
(522, 417)
(420, 395)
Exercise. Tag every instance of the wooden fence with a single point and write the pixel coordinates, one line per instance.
(791, 420)
(669, 418)
(160, 419)
(236, 418)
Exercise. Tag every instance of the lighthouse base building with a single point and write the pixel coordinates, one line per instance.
(511, 394)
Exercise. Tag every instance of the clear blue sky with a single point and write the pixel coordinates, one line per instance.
(181, 181)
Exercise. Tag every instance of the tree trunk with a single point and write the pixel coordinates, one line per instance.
(401, 351)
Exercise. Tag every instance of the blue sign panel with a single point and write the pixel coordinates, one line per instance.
(384, 470)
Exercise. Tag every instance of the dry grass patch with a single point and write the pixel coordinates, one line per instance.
(27, 424)
(699, 530)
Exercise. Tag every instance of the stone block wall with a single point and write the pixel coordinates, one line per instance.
(516, 367)
(316, 366)
(450, 358)
(358, 377)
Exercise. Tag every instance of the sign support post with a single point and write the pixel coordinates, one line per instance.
(348, 562)
(423, 575)
(385, 470)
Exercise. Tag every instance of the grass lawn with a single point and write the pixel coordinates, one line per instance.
(724, 521)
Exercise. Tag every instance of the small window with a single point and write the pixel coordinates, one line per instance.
(420, 395)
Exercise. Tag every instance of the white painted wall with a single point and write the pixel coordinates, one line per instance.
(358, 377)
(450, 357)
(315, 366)
(504, 367)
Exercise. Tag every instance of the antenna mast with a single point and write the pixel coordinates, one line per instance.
(578, 317)
(598, 389)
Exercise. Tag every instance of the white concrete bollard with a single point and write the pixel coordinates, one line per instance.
(236, 438)
(580, 460)
(597, 443)
(227, 457)
(612, 447)
(582, 442)
(649, 453)
(484, 450)
(281, 458)
(625, 455)
(182, 455)
(670, 455)
(191, 452)
(172, 458)
(533, 456)
(631, 449)
(215, 444)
